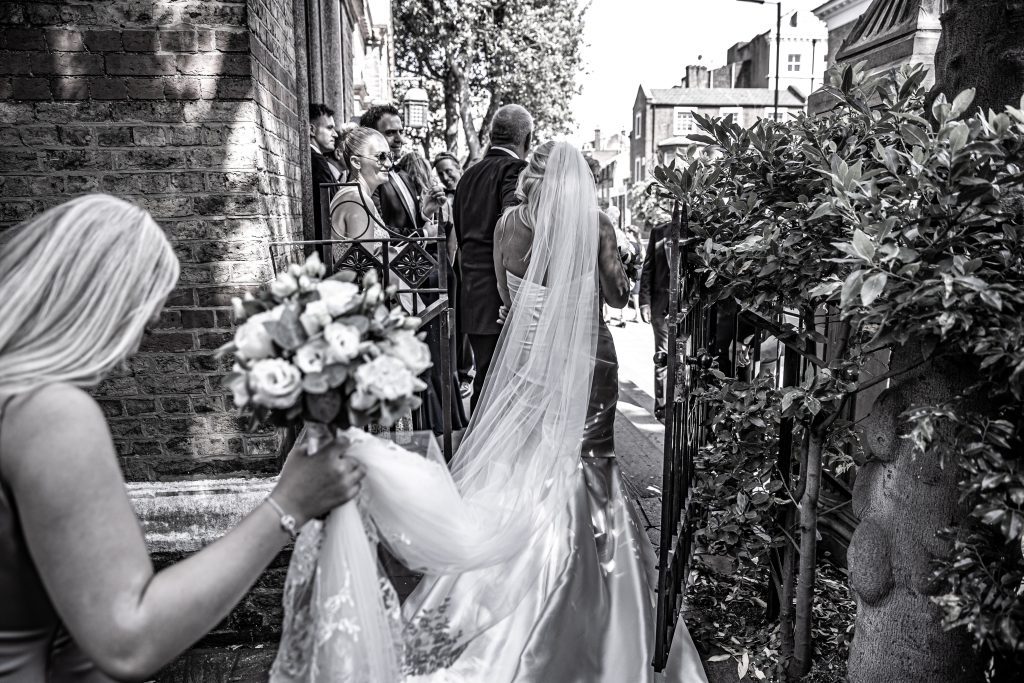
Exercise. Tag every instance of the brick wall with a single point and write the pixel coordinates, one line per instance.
(189, 109)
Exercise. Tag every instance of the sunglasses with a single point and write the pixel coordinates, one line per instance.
(379, 158)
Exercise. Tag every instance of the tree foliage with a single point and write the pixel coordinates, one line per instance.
(475, 55)
(649, 203)
(898, 226)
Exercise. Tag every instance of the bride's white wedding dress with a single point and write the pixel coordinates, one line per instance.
(536, 565)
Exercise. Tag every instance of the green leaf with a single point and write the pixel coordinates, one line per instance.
(287, 332)
(992, 299)
(825, 290)
(813, 405)
(851, 287)
(863, 245)
(323, 407)
(872, 287)
(961, 102)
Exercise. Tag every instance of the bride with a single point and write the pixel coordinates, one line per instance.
(536, 566)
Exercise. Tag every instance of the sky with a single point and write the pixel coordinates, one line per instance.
(627, 42)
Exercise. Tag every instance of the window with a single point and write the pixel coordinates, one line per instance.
(793, 63)
(683, 124)
(775, 116)
(636, 125)
(737, 113)
(637, 169)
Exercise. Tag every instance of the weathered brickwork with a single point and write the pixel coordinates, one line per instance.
(189, 109)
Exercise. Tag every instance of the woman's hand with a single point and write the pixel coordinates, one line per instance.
(431, 200)
(502, 314)
(313, 485)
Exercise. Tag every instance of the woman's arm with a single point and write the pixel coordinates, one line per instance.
(499, 262)
(89, 548)
(614, 283)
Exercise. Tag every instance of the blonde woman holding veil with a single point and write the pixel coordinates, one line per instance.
(536, 566)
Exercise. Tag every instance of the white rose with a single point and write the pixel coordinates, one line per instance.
(275, 383)
(387, 378)
(313, 266)
(406, 347)
(373, 295)
(237, 308)
(306, 283)
(252, 339)
(343, 342)
(312, 356)
(284, 285)
(315, 317)
(239, 388)
(340, 297)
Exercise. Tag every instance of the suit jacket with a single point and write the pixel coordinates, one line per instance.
(654, 275)
(484, 191)
(322, 173)
(393, 210)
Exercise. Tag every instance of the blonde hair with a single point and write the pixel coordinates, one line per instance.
(531, 177)
(78, 283)
(353, 140)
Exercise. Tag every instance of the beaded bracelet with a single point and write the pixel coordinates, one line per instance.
(288, 522)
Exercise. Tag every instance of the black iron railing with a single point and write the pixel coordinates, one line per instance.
(702, 332)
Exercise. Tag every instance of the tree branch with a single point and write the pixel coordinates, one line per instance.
(887, 376)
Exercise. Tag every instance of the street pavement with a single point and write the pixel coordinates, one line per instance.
(639, 437)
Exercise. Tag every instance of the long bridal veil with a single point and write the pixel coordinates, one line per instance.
(474, 532)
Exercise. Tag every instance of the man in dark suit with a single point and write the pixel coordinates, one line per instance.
(654, 307)
(399, 200)
(486, 189)
(322, 135)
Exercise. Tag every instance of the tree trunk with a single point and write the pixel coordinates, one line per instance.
(452, 93)
(981, 47)
(466, 111)
(803, 647)
(902, 501)
(485, 125)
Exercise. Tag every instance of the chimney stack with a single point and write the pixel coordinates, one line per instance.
(598, 142)
(696, 76)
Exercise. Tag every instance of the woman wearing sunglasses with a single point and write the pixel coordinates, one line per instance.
(367, 158)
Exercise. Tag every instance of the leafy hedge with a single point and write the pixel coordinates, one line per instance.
(893, 224)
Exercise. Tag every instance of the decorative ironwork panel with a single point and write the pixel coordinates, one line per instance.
(413, 264)
(357, 258)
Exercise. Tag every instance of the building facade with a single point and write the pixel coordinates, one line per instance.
(197, 111)
(612, 152)
(839, 17)
(663, 120)
(884, 34)
(803, 48)
(373, 54)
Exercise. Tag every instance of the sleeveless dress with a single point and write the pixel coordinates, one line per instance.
(590, 618)
(34, 646)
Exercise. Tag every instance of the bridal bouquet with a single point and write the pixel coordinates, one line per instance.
(324, 352)
(630, 263)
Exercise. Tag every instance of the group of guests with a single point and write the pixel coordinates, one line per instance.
(390, 194)
(396, 194)
(401, 194)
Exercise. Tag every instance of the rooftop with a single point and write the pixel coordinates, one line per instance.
(722, 97)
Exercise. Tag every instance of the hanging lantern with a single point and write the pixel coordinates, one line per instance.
(416, 106)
